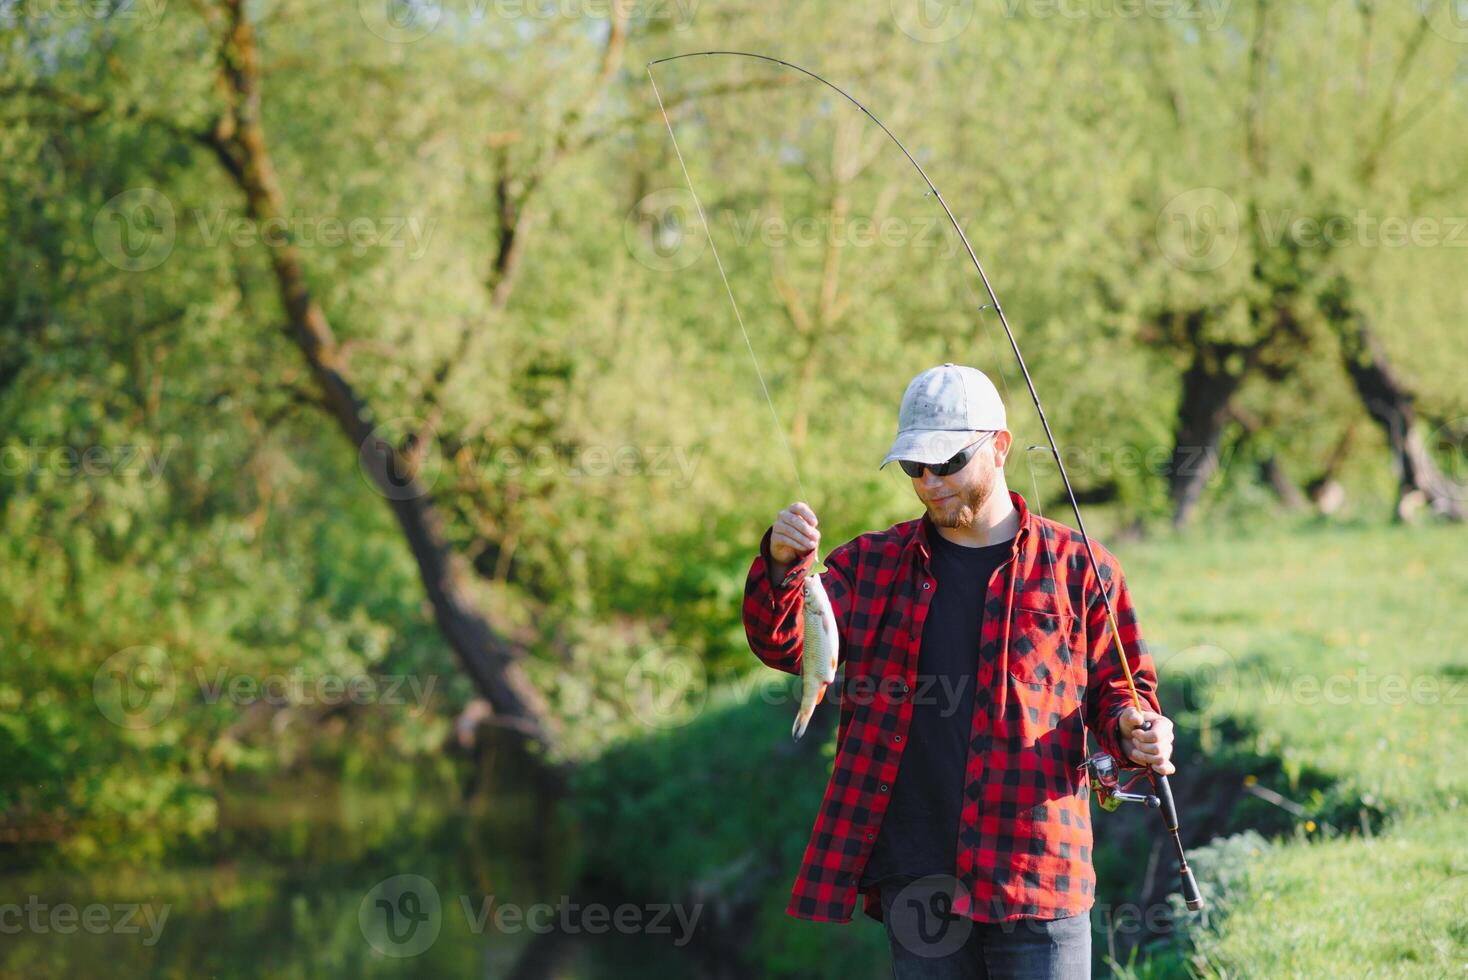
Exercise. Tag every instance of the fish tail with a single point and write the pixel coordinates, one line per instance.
(801, 720)
(803, 716)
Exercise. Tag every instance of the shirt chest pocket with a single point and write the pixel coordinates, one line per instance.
(1042, 649)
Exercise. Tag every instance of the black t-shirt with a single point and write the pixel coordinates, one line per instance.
(919, 834)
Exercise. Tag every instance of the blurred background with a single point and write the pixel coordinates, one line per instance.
(381, 460)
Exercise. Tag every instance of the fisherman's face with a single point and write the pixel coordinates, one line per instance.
(956, 500)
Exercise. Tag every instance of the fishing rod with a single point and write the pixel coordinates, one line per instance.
(1191, 895)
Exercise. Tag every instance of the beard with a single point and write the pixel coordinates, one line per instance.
(964, 507)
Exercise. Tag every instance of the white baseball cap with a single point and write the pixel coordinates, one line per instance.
(941, 410)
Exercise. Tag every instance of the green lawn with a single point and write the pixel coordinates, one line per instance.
(1341, 653)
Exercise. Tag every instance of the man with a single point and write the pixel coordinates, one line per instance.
(977, 652)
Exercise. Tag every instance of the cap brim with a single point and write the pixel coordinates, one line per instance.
(928, 445)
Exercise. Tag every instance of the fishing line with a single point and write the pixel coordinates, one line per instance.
(708, 233)
(1040, 509)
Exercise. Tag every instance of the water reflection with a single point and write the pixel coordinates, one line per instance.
(324, 876)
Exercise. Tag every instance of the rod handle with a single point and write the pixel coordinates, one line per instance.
(1191, 895)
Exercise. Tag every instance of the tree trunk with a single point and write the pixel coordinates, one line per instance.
(1284, 488)
(1202, 413)
(1420, 481)
(494, 667)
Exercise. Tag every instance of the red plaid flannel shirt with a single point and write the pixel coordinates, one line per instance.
(1046, 671)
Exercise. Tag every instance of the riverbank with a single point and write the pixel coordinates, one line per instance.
(1316, 674)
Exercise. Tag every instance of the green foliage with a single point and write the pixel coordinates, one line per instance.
(168, 480)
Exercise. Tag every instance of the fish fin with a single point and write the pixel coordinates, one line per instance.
(821, 694)
(798, 729)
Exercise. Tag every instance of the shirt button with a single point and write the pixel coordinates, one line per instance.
(884, 788)
(871, 836)
(896, 738)
(927, 585)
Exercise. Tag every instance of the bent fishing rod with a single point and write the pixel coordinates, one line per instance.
(1163, 800)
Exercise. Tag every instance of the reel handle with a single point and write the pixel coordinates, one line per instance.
(1146, 799)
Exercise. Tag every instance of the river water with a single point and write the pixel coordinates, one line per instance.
(312, 877)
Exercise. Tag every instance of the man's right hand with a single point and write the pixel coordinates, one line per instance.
(794, 535)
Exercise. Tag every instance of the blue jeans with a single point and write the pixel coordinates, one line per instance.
(929, 942)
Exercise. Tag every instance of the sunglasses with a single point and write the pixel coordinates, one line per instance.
(955, 462)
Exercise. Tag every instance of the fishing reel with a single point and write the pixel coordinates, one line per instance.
(1103, 775)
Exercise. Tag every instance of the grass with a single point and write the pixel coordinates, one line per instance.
(1342, 653)
(1392, 905)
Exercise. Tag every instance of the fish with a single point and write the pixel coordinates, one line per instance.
(818, 656)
